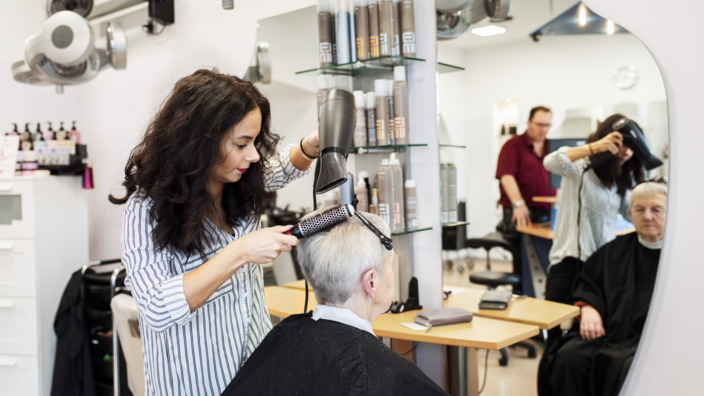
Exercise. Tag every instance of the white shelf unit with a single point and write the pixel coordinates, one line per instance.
(43, 240)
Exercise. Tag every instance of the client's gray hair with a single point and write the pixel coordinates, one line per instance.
(647, 189)
(334, 260)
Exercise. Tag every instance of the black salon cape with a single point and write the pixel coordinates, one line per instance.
(301, 356)
(618, 281)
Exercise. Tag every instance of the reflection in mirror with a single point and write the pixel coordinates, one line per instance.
(583, 79)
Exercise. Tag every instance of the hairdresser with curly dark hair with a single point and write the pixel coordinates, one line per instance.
(595, 188)
(192, 242)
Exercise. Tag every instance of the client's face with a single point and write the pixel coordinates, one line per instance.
(648, 213)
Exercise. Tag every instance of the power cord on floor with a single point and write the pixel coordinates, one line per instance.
(486, 367)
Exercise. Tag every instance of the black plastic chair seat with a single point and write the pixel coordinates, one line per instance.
(488, 242)
(494, 278)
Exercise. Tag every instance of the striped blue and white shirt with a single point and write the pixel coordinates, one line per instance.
(195, 353)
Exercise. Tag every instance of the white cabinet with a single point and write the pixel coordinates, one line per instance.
(43, 240)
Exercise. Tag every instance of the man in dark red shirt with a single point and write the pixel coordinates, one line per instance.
(521, 173)
(522, 176)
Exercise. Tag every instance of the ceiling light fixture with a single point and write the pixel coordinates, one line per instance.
(578, 19)
(490, 30)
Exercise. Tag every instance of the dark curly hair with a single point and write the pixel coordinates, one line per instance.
(610, 171)
(180, 148)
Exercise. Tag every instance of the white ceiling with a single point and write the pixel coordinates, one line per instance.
(528, 16)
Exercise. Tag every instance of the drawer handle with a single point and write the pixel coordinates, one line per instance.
(5, 187)
(8, 362)
(6, 245)
(7, 304)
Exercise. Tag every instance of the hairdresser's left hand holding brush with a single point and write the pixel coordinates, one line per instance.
(196, 186)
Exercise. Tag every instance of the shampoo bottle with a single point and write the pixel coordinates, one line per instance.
(452, 192)
(73, 134)
(61, 133)
(395, 41)
(444, 198)
(388, 94)
(49, 133)
(342, 32)
(39, 142)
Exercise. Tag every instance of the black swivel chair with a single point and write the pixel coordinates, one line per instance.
(493, 279)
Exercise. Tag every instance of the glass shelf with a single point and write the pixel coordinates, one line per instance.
(455, 224)
(452, 146)
(448, 68)
(386, 149)
(411, 232)
(374, 65)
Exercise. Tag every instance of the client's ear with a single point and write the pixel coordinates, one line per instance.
(370, 283)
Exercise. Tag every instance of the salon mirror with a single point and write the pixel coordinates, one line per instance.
(583, 78)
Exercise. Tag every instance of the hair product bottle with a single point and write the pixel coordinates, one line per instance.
(361, 27)
(370, 111)
(386, 27)
(39, 142)
(364, 176)
(373, 8)
(326, 36)
(360, 129)
(49, 133)
(382, 113)
(361, 194)
(61, 133)
(395, 41)
(386, 193)
(398, 219)
(374, 203)
(73, 134)
(408, 28)
(400, 100)
(344, 41)
(443, 192)
(411, 205)
(389, 86)
(452, 192)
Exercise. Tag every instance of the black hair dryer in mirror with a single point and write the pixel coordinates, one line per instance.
(633, 138)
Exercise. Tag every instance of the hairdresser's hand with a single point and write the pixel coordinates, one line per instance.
(611, 142)
(265, 245)
(591, 326)
(311, 144)
(521, 215)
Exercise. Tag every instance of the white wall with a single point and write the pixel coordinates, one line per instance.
(113, 110)
(561, 72)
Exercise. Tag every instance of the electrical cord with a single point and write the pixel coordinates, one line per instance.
(486, 368)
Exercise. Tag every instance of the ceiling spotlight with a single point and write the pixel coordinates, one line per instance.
(491, 30)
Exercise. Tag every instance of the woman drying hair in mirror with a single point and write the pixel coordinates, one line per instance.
(595, 188)
(195, 189)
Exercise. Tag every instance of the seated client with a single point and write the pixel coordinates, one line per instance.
(333, 350)
(613, 289)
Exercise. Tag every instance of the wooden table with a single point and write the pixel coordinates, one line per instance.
(542, 313)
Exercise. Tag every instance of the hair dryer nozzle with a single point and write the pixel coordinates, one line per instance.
(634, 139)
(337, 120)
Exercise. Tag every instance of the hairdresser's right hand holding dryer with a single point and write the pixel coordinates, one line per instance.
(613, 142)
(195, 189)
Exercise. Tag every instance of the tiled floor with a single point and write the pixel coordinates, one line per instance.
(519, 377)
